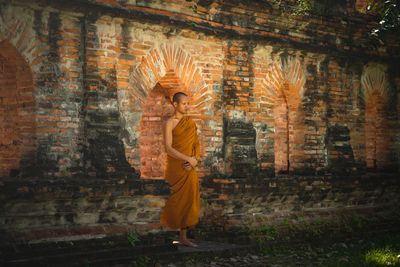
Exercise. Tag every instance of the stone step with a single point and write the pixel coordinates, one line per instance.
(67, 252)
(105, 252)
(80, 257)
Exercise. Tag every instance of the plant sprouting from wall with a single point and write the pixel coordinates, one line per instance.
(194, 5)
(133, 238)
(303, 7)
(389, 18)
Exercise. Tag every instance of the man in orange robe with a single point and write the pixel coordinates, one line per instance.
(182, 208)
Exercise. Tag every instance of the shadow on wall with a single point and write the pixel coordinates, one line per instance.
(104, 150)
(340, 153)
(17, 109)
(104, 153)
(240, 149)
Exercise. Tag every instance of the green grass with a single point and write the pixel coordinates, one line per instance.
(371, 251)
(383, 257)
(142, 261)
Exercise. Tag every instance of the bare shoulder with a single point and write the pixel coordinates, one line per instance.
(168, 122)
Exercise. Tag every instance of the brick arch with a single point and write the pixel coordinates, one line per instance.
(163, 71)
(16, 28)
(376, 96)
(284, 90)
(17, 104)
(157, 63)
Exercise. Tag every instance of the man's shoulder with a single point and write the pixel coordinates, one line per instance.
(168, 121)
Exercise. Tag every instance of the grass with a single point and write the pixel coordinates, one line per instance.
(372, 251)
(346, 241)
(383, 257)
(142, 261)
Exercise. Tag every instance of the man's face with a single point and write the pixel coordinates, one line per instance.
(183, 105)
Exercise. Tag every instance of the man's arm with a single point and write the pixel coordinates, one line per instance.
(168, 145)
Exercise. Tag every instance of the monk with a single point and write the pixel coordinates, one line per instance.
(182, 208)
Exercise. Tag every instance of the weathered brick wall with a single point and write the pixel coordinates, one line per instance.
(93, 74)
(35, 209)
(50, 44)
(272, 94)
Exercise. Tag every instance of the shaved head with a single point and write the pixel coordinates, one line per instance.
(177, 97)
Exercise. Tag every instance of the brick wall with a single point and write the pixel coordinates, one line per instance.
(49, 44)
(85, 88)
(298, 110)
(63, 209)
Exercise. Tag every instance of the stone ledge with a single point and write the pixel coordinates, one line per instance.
(79, 187)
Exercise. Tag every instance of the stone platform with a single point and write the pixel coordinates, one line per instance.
(110, 251)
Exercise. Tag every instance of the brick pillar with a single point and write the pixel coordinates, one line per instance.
(70, 124)
(340, 123)
(239, 133)
(104, 149)
(59, 96)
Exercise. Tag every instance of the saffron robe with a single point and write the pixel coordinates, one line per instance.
(183, 205)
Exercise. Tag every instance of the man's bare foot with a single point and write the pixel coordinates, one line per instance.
(187, 243)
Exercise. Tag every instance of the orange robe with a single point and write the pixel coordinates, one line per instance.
(183, 205)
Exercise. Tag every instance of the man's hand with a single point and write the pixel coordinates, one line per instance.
(193, 161)
(187, 166)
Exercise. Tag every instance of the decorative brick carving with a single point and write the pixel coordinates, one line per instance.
(284, 85)
(376, 95)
